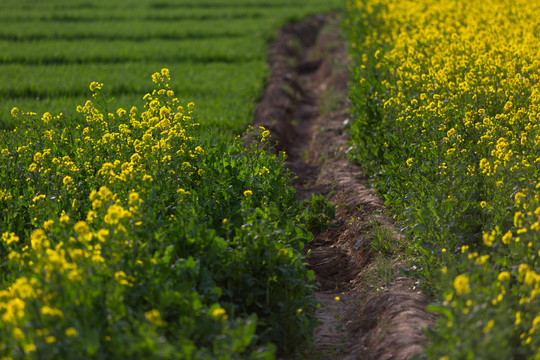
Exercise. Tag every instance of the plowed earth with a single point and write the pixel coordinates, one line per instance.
(305, 107)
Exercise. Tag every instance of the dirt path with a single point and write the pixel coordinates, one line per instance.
(379, 314)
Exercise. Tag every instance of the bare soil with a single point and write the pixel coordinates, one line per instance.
(305, 106)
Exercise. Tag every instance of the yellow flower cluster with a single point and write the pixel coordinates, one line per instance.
(94, 86)
(154, 316)
(220, 313)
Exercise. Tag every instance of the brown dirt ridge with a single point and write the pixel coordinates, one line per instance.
(379, 315)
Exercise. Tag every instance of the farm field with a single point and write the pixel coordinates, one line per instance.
(216, 51)
(446, 104)
(137, 223)
(140, 216)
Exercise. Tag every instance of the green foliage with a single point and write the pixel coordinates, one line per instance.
(319, 213)
(381, 239)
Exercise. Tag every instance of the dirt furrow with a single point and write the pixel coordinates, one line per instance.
(367, 311)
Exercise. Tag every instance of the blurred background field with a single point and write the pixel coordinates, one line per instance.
(216, 51)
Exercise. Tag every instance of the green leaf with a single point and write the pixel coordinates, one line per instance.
(419, 228)
(440, 309)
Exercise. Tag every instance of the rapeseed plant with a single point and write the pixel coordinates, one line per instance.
(447, 99)
(113, 242)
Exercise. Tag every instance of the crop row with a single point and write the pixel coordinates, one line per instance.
(126, 234)
(115, 51)
(136, 30)
(92, 15)
(151, 4)
(42, 81)
(447, 103)
(136, 12)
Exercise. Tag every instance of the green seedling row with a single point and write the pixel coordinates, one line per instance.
(103, 30)
(114, 51)
(194, 78)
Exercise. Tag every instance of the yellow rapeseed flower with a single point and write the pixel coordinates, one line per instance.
(50, 339)
(29, 348)
(133, 198)
(123, 279)
(9, 238)
(38, 239)
(38, 198)
(182, 192)
(13, 310)
(64, 218)
(38, 156)
(47, 117)
(488, 326)
(105, 194)
(18, 334)
(48, 224)
(220, 313)
(164, 112)
(518, 219)
(71, 332)
(67, 180)
(81, 227)
(50, 311)
(94, 85)
(488, 238)
(507, 237)
(148, 178)
(503, 276)
(115, 213)
(461, 284)
(154, 316)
